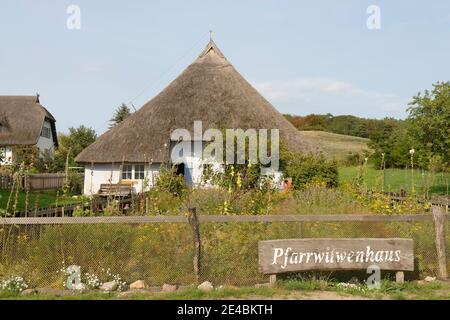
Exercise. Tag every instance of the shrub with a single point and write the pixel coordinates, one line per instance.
(304, 169)
(163, 202)
(27, 156)
(169, 181)
(80, 212)
(353, 159)
(436, 164)
(74, 184)
(236, 177)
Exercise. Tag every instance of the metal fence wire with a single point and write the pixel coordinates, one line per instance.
(163, 252)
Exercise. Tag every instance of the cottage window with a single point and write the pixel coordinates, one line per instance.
(139, 171)
(127, 171)
(46, 133)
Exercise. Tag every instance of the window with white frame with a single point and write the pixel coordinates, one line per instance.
(127, 171)
(139, 171)
(133, 171)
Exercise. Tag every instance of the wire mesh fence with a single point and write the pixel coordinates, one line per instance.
(163, 252)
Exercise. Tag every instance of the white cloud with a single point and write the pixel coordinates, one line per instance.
(323, 95)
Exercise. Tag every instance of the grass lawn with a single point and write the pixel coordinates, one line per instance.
(45, 199)
(396, 179)
(298, 290)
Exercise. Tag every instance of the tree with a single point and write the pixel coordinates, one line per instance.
(426, 130)
(70, 145)
(390, 139)
(345, 124)
(429, 116)
(120, 114)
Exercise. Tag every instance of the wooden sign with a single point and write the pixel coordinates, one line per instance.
(279, 256)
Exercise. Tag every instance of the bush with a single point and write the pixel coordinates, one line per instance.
(353, 159)
(163, 202)
(436, 164)
(169, 181)
(236, 177)
(305, 169)
(74, 183)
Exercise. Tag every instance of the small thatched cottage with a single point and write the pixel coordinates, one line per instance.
(210, 90)
(25, 122)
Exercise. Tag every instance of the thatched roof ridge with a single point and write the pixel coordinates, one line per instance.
(211, 90)
(21, 120)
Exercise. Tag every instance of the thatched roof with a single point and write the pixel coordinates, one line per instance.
(211, 90)
(21, 120)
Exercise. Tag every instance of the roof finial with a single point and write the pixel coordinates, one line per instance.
(37, 97)
(210, 35)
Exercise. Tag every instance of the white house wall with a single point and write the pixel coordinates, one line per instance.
(7, 154)
(193, 172)
(103, 173)
(45, 143)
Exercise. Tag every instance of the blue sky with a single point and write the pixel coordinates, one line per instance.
(304, 56)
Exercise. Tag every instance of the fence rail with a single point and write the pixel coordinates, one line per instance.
(67, 210)
(219, 218)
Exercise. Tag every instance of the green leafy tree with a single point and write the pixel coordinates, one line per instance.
(345, 124)
(382, 140)
(70, 145)
(25, 156)
(426, 130)
(429, 116)
(120, 114)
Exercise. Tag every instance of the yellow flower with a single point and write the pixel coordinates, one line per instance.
(239, 182)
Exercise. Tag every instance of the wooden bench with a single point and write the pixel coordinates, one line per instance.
(115, 189)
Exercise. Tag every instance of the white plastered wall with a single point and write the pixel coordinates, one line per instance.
(104, 173)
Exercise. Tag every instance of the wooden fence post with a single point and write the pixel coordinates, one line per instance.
(439, 218)
(195, 226)
(400, 277)
(272, 280)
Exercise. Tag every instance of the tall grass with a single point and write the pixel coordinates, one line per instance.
(163, 253)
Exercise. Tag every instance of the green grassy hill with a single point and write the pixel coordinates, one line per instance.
(337, 145)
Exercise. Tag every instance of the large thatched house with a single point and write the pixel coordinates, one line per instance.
(210, 90)
(25, 122)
